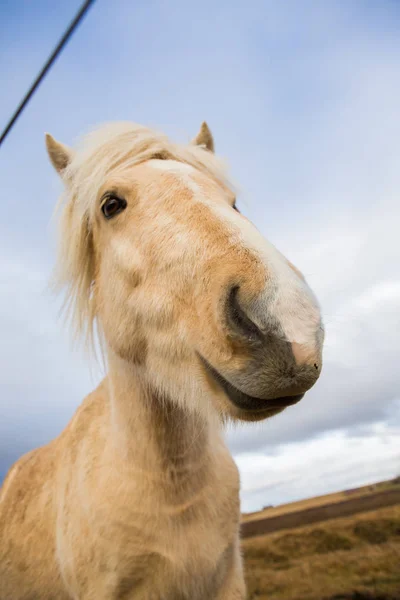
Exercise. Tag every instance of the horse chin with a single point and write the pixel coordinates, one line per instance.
(244, 407)
(250, 416)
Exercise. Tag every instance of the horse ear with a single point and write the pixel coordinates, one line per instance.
(59, 154)
(204, 138)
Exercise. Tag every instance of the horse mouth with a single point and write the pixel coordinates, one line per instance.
(249, 403)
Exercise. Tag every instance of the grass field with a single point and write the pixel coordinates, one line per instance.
(352, 558)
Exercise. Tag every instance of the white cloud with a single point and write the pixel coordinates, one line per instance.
(328, 463)
(44, 380)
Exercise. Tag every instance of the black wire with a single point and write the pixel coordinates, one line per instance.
(46, 67)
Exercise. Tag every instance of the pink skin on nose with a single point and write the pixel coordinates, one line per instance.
(304, 355)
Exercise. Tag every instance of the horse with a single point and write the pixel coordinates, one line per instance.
(202, 322)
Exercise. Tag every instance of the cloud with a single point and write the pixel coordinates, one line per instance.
(43, 379)
(340, 227)
(330, 462)
(303, 101)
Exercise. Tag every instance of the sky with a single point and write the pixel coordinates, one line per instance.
(303, 100)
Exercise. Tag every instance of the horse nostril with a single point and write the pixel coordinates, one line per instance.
(237, 318)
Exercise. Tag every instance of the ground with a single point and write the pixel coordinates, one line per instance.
(352, 558)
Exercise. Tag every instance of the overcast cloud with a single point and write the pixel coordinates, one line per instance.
(303, 99)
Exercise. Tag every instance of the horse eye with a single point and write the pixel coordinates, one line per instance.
(112, 206)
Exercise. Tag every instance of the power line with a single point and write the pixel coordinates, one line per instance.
(81, 13)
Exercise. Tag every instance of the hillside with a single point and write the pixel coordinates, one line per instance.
(272, 511)
(351, 558)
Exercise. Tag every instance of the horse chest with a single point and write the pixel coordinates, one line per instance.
(182, 558)
(178, 549)
(184, 571)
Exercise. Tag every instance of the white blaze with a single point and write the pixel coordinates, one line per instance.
(287, 299)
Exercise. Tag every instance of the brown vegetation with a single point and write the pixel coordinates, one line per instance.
(352, 505)
(281, 509)
(353, 558)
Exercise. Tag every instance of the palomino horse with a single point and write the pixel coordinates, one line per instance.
(202, 321)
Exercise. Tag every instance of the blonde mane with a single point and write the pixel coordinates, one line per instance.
(108, 149)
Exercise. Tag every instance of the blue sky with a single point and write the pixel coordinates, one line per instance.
(302, 98)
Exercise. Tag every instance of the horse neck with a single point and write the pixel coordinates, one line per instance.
(153, 434)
